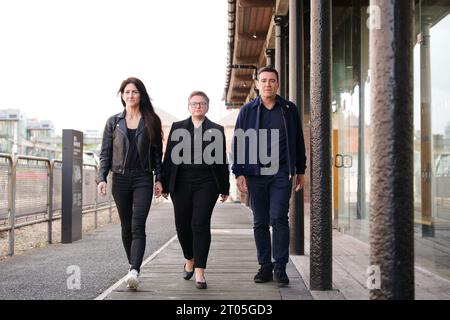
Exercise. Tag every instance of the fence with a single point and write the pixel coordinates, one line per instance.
(30, 193)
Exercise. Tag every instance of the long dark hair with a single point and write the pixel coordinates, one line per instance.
(151, 120)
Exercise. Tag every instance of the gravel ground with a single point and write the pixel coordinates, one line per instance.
(46, 272)
(36, 235)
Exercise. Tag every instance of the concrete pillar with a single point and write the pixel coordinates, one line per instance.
(321, 228)
(392, 198)
(296, 95)
(426, 136)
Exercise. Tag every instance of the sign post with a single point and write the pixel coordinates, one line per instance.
(72, 186)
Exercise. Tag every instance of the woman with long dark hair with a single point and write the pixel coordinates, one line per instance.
(132, 150)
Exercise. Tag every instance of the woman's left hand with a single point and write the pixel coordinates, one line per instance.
(158, 189)
(223, 197)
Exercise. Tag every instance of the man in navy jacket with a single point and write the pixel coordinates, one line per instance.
(269, 151)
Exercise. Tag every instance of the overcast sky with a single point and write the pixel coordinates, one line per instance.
(64, 60)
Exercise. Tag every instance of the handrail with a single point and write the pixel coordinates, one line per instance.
(13, 163)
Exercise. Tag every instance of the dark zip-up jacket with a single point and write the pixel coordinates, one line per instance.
(115, 145)
(249, 118)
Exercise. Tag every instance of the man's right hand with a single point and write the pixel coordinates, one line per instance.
(101, 188)
(242, 184)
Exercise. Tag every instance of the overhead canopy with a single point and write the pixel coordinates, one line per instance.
(251, 32)
(248, 26)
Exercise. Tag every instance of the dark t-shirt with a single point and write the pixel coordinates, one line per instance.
(132, 161)
(273, 119)
(197, 168)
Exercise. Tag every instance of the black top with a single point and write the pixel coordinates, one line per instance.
(132, 161)
(218, 170)
(273, 119)
(197, 148)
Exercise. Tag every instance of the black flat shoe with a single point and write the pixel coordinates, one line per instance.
(200, 285)
(187, 274)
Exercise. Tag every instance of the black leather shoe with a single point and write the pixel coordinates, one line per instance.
(263, 276)
(200, 285)
(187, 274)
(281, 276)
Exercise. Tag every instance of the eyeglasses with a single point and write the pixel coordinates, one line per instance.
(202, 104)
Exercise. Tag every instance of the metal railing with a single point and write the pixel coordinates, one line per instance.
(33, 194)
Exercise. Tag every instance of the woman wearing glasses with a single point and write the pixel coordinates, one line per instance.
(195, 173)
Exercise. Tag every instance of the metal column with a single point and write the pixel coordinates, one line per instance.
(296, 95)
(392, 202)
(321, 228)
(279, 50)
(362, 74)
(426, 137)
(270, 55)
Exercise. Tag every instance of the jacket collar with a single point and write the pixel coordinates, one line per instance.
(122, 125)
(205, 125)
(278, 100)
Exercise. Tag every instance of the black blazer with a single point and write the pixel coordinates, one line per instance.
(220, 171)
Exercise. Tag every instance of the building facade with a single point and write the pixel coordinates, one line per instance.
(12, 131)
(384, 120)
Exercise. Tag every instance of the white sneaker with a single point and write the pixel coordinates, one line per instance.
(131, 279)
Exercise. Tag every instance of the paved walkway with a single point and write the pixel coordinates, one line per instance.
(45, 272)
(351, 258)
(231, 266)
(42, 273)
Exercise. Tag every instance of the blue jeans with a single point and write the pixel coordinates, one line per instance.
(133, 196)
(269, 200)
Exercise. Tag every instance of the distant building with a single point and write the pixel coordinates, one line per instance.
(35, 137)
(38, 138)
(39, 128)
(12, 131)
(228, 122)
(166, 123)
(19, 135)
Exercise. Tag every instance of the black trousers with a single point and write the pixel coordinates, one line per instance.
(194, 200)
(269, 197)
(133, 194)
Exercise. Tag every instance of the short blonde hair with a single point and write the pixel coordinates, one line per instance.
(199, 93)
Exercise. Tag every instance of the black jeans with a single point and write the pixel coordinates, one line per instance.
(193, 201)
(133, 194)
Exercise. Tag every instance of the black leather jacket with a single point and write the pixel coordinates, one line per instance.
(115, 146)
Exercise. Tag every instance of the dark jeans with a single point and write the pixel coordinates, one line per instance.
(194, 202)
(269, 200)
(133, 196)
